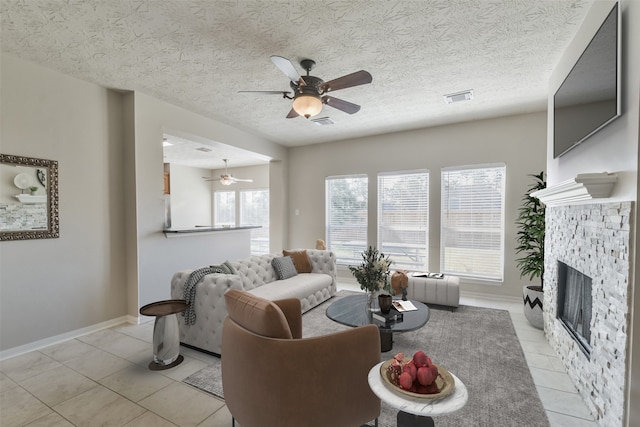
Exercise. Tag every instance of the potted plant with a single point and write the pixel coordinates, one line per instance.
(373, 275)
(531, 223)
(33, 190)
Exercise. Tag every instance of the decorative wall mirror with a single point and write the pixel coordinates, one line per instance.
(28, 198)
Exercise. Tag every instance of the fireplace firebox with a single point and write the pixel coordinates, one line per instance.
(574, 305)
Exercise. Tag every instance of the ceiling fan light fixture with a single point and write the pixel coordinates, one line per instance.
(307, 105)
(225, 180)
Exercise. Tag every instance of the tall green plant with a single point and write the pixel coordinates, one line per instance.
(531, 232)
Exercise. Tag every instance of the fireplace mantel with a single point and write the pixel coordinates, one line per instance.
(585, 186)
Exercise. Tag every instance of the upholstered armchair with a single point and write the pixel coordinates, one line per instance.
(272, 377)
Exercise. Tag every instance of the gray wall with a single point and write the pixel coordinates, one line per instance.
(111, 257)
(518, 141)
(52, 286)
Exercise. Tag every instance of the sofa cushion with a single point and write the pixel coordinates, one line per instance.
(284, 267)
(256, 314)
(299, 286)
(300, 260)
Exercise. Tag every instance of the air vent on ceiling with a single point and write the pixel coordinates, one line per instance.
(323, 121)
(204, 149)
(465, 95)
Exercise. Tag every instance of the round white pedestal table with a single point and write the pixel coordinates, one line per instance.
(417, 412)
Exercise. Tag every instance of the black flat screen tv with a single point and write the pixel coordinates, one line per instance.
(589, 97)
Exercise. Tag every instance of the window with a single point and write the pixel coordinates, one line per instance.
(254, 210)
(472, 236)
(224, 212)
(403, 218)
(346, 215)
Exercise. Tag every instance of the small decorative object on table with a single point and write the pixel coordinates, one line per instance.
(400, 283)
(386, 319)
(373, 275)
(384, 300)
(417, 376)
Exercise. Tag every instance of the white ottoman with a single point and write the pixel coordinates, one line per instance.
(445, 291)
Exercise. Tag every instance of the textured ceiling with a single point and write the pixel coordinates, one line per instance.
(199, 54)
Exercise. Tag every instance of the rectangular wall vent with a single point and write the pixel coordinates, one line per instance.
(204, 149)
(465, 95)
(323, 121)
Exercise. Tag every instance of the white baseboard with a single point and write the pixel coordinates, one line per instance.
(490, 297)
(46, 342)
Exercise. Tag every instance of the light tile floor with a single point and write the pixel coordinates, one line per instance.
(103, 379)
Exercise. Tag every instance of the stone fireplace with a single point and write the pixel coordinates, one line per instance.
(593, 240)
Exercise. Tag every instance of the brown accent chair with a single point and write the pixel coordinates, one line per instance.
(271, 376)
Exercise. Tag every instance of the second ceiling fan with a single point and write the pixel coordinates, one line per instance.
(226, 178)
(309, 92)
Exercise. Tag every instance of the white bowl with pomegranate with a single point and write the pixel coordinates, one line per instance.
(417, 376)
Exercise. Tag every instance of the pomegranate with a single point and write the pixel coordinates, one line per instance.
(425, 376)
(405, 381)
(420, 359)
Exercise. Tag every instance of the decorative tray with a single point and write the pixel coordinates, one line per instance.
(444, 382)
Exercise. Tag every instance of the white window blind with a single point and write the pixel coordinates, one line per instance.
(472, 221)
(346, 216)
(254, 210)
(403, 219)
(224, 210)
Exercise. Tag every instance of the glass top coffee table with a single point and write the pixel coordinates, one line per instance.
(351, 311)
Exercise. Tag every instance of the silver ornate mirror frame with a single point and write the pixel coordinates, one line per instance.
(51, 179)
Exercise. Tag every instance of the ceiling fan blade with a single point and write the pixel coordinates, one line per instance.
(268, 92)
(292, 114)
(241, 180)
(354, 79)
(346, 106)
(286, 67)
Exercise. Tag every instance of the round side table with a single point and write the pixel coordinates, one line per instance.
(166, 336)
(417, 412)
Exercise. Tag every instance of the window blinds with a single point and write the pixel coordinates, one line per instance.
(472, 222)
(346, 217)
(403, 219)
(224, 212)
(254, 210)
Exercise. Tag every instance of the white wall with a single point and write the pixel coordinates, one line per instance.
(518, 141)
(111, 257)
(158, 257)
(51, 286)
(613, 149)
(191, 198)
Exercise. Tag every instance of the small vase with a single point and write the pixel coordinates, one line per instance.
(384, 301)
(372, 299)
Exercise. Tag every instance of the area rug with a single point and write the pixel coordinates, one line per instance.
(478, 345)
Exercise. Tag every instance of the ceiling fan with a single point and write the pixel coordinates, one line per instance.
(226, 178)
(309, 91)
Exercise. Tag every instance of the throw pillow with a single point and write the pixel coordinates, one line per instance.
(229, 267)
(300, 260)
(284, 267)
(224, 268)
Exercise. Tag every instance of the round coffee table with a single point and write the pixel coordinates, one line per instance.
(166, 336)
(417, 412)
(351, 311)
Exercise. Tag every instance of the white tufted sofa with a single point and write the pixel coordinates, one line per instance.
(256, 275)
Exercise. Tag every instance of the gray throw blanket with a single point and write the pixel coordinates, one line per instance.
(189, 291)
